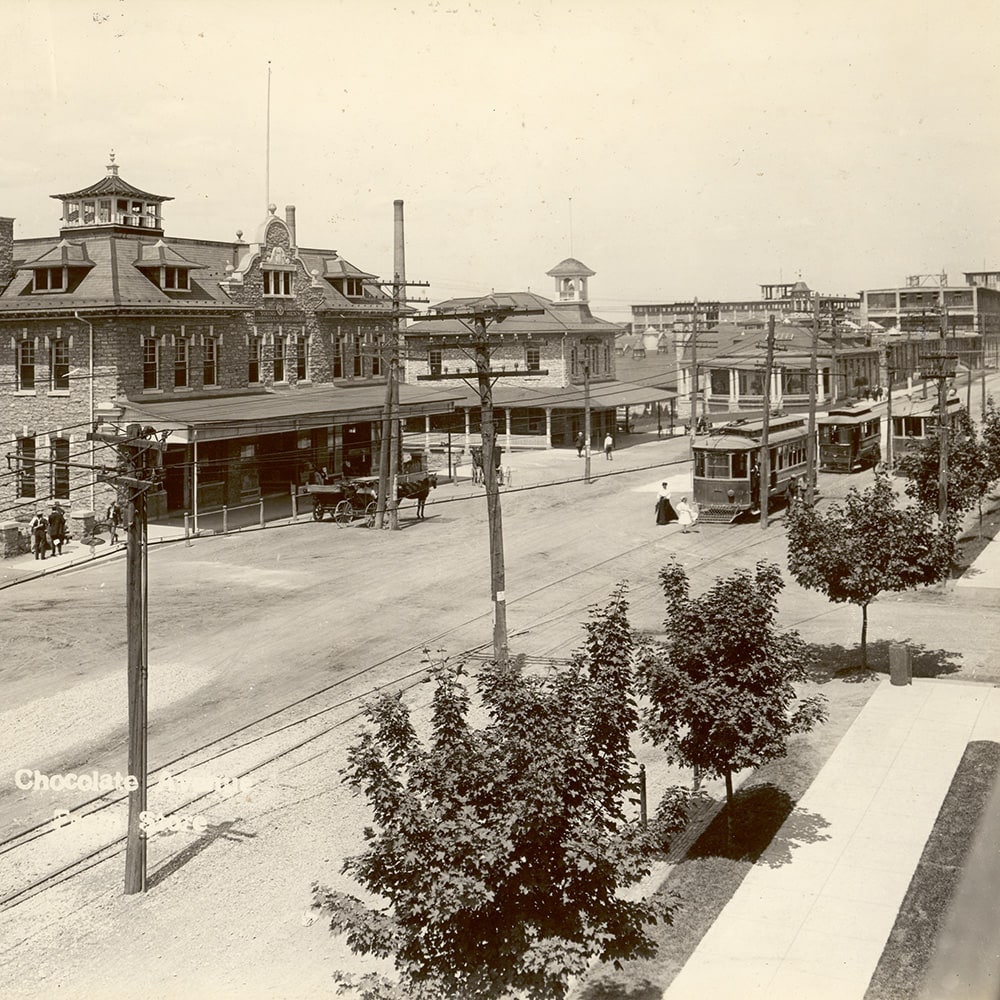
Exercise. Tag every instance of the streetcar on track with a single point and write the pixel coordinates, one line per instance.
(850, 437)
(727, 464)
(913, 420)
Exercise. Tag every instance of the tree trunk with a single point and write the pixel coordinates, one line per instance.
(864, 636)
(729, 812)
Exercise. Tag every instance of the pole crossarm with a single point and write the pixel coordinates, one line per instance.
(493, 373)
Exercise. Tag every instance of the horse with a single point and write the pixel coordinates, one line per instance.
(418, 491)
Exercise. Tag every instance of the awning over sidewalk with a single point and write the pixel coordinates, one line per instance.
(219, 418)
(603, 396)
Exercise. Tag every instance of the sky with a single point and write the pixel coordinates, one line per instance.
(677, 148)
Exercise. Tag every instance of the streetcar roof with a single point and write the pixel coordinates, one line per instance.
(745, 442)
(846, 418)
(850, 411)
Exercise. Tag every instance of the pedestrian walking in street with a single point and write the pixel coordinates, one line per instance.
(609, 445)
(57, 529)
(39, 529)
(114, 519)
(580, 442)
(665, 512)
(793, 490)
(687, 516)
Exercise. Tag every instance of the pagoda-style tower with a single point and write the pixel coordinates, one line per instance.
(571, 280)
(112, 204)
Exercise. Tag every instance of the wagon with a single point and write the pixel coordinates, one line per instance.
(346, 500)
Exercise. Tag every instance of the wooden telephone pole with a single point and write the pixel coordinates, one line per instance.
(941, 367)
(390, 446)
(481, 319)
(141, 454)
(813, 377)
(765, 451)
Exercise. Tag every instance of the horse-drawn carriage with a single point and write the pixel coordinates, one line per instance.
(348, 499)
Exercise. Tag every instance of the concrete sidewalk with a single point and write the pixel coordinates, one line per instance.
(813, 915)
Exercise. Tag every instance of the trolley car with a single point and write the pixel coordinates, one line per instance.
(916, 419)
(727, 464)
(850, 437)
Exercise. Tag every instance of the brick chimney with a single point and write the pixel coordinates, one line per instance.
(6, 250)
(290, 222)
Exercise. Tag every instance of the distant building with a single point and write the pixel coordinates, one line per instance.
(916, 316)
(544, 407)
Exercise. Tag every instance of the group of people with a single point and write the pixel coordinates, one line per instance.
(609, 446)
(685, 514)
(48, 531)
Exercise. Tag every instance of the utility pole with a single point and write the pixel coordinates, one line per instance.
(889, 372)
(813, 375)
(586, 421)
(765, 451)
(390, 446)
(141, 451)
(941, 367)
(487, 313)
(694, 373)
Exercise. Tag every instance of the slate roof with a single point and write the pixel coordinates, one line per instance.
(115, 281)
(555, 317)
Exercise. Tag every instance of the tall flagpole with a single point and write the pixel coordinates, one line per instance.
(267, 143)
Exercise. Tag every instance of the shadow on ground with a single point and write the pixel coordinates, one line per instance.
(758, 814)
(828, 662)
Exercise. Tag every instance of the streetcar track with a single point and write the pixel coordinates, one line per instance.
(576, 605)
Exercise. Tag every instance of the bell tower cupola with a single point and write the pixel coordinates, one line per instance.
(571, 280)
(112, 203)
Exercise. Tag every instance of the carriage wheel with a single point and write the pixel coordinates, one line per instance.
(344, 513)
(370, 512)
(318, 512)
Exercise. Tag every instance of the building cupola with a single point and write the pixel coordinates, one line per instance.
(571, 280)
(111, 203)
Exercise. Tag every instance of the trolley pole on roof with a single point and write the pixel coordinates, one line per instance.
(813, 376)
(765, 451)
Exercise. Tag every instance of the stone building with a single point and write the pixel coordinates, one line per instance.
(260, 356)
(552, 354)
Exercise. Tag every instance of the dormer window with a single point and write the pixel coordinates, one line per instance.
(354, 288)
(278, 283)
(50, 279)
(175, 279)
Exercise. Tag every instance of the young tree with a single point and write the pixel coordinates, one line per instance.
(865, 546)
(969, 473)
(499, 851)
(721, 687)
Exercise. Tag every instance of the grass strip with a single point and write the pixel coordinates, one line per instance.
(906, 957)
(708, 876)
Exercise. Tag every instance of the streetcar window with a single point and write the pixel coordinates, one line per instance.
(739, 465)
(717, 466)
(699, 464)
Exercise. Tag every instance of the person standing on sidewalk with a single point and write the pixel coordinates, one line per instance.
(39, 529)
(57, 529)
(609, 446)
(580, 442)
(114, 519)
